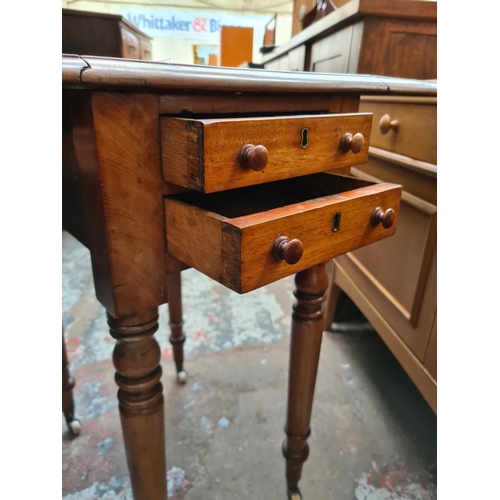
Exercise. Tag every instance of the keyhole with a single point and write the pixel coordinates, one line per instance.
(304, 138)
(336, 222)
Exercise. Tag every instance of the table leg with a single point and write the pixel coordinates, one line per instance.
(177, 336)
(307, 332)
(68, 404)
(136, 358)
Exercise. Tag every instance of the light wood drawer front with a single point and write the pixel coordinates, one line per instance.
(416, 132)
(205, 155)
(231, 236)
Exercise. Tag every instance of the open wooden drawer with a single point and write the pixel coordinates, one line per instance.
(246, 238)
(216, 154)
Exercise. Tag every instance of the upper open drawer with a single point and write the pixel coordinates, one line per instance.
(212, 155)
(248, 237)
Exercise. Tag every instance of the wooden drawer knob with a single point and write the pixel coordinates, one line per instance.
(386, 218)
(254, 157)
(352, 143)
(385, 124)
(288, 250)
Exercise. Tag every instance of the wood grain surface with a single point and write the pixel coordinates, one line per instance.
(237, 251)
(118, 151)
(203, 154)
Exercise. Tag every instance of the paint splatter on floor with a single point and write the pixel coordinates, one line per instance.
(395, 482)
(224, 426)
(118, 488)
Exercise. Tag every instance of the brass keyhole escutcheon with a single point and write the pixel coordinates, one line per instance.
(304, 138)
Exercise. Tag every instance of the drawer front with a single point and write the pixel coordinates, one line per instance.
(220, 154)
(331, 54)
(145, 50)
(130, 44)
(296, 59)
(412, 128)
(240, 238)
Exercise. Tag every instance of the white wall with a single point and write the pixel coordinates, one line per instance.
(181, 50)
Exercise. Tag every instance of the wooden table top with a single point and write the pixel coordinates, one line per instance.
(92, 72)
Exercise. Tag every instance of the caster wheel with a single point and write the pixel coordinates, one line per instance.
(74, 427)
(182, 377)
(294, 494)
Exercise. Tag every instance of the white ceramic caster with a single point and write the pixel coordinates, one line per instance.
(74, 427)
(182, 377)
(294, 494)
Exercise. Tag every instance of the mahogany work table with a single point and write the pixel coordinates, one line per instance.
(242, 174)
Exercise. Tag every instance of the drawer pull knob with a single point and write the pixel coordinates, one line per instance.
(254, 157)
(386, 218)
(288, 250)
(385, 124)
(352, 143)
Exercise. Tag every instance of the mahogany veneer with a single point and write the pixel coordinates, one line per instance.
(142, 229)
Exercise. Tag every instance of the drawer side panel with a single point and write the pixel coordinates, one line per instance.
(202, 240)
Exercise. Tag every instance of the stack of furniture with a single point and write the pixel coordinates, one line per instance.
(393, 282)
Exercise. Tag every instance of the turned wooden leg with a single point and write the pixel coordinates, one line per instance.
(177, 337)
(307, 332)
(136, 358)
(68, 404)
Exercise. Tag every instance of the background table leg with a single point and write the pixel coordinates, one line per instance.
(136, 358)
(68, 404)
(307, 332)
(177, 336)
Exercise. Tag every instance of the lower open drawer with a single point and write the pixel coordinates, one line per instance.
(244, 237)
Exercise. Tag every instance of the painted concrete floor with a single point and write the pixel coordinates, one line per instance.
(373, 436)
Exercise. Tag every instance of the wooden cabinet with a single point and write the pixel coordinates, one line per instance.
(91, 33)
(393, 282)
(378, 37)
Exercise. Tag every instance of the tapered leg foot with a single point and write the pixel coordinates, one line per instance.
(294, 494)
(136, 358)
(68, 405)
(182, 376)
(177, 337)
(307, 332)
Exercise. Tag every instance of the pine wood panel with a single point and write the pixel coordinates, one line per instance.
(416, 135)
(233, 245)
(409, 253)
(346, 280)
(203, 154)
